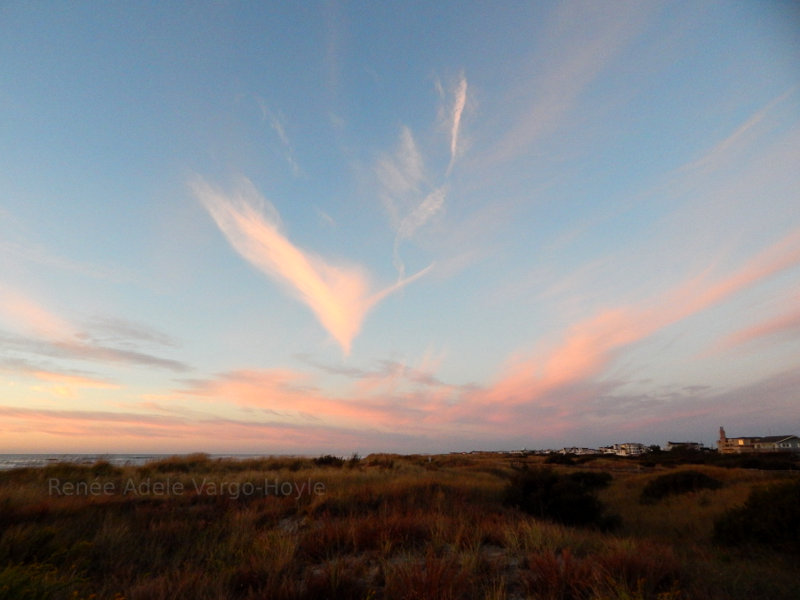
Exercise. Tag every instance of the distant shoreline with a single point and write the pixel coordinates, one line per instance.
(23, 460)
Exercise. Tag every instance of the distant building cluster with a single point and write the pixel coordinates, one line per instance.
(626, 449)
(684, 446)
(771, 443)
(725, 445)
(577, 451)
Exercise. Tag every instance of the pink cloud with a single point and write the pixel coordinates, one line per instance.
(782, 325)
(43, 430)
(294, 396)
(67, 385)
(696, 294)
(554, 389)
(560, 378)
(580, 55)
(559, 389)
(339, 296)
(46, 333)
(27, 314)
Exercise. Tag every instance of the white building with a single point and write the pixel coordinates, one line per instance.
(626, 449)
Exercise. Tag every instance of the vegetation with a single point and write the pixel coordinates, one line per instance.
(677, 483)
(563, 498)
(767, 461)
(770, 517)
(388, 526)
(328, 461)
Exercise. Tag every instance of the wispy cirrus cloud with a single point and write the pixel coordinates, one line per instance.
(69, 385)
(107, 329)
(29, 315)
(401, 176)
(592, 413)
(411, 194)
(783, 325)
(583, 40)
(63, 383)
(408, 196)
(294, 396)
(430, 206)
(390, 377)
(459, 103)
(740, 138)
(42, 332)
(560, 377)
(65, 379)
(562, 388)
(176, 431)
(39, 254)
(338, 295)
(277, 121)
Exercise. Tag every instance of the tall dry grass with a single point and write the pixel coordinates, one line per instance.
(386, 526)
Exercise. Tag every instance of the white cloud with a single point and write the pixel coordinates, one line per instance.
(459, 102)
(338, 295)
(277, 121)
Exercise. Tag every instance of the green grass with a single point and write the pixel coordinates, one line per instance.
(385, 526)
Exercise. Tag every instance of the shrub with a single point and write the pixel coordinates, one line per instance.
(189, 463)
(328, 461)
(677, 483)
(560, 459)
(558, 576)
(435, 577)
(591, 480)
(103, 468)
(32, 582)
(770, 516)
(767, 461)
(545, 494)
(383, 461)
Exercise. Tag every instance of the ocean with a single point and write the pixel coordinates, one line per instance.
(16, 461)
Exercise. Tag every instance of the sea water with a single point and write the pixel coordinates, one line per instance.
(16, 461)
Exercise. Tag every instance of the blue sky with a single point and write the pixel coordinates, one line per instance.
(329, 227)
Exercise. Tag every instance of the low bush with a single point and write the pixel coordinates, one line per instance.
(560, 459)
(382, 461)
(677, 483)
(328, 461)
(353, 461)
(770, 516)
(591, 480)
(190, 463)
(546, 494)
(31, 582)
(103, 468)
(768, 461)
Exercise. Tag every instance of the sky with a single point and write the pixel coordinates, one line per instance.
(325, 227)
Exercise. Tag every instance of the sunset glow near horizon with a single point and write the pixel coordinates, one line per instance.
(334, 228)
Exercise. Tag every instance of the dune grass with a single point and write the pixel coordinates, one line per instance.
(385, 526)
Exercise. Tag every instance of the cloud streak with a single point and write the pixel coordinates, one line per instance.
(739, 138)
(277, 123)
(339, 296)
(563, 378)
(410, 195)
(407, 194)
(585, 38)
(45, 333)
(785, 325)
(63, 430)
(459, 102)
